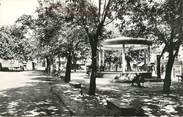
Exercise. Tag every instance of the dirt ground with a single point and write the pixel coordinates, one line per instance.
(29, 93)
(37, 94)
(153, 101)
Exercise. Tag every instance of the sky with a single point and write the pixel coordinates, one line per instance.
(10, 10)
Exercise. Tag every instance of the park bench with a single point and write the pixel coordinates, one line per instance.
(75, 84)
(123, 109)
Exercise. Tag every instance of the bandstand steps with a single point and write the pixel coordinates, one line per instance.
(112, 75)
(108, 74)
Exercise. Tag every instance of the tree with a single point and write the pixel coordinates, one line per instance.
(6, 43)
(173, 45)
(14, 44)
(160, 20)
(92, 18)
(57, 37)
(72, 36)
(47, 26)
(23, 45)
(81, 52)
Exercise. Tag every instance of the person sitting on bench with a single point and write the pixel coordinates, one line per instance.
(180, 77)
(138, 79)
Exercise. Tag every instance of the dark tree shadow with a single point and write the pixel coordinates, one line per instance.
(35, 99)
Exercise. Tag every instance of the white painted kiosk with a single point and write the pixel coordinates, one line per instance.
(123, 45)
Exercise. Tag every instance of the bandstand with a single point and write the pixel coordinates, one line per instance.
(127, 55)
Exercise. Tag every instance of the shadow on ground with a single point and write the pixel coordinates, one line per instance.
(154, 102)
(34, 99)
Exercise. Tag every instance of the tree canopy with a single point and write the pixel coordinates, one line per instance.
(161, 22)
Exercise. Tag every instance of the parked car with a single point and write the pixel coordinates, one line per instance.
(5, 69)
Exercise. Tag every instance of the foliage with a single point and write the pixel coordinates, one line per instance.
(47, 26)
(56, 36)
(23, 45)
(93, 16)
(151, 19)
(14, 44)
(161, 21)
(6, 43)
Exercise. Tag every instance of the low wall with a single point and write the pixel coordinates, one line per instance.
(79, 104)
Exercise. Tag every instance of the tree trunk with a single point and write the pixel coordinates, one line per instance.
(48, 64)
(167, 80)
(93, 71)
(59, 63)
(68, 69)
(158, 68)
(53, 66)
(75, 65)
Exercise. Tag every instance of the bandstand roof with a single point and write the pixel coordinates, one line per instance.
(126, 40)
(119, 47)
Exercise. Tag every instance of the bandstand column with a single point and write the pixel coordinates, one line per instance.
(102, 57)
(99, 58)
(148, 55)
(123, 59)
